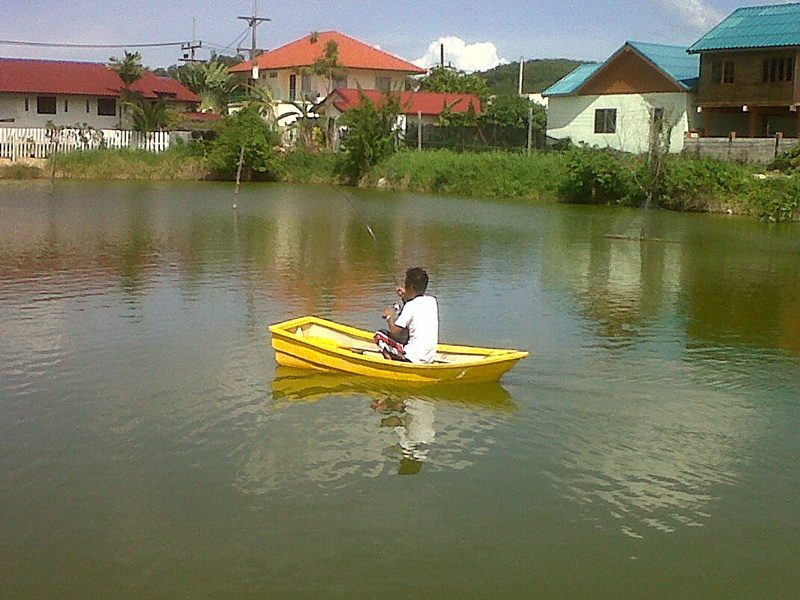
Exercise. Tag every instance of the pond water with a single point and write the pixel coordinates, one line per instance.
(150, 447)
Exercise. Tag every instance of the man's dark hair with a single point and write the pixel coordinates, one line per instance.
(418, 279)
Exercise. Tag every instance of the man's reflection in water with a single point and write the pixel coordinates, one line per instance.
(412, 420)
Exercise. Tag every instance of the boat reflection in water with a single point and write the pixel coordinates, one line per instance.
(292, 385)
(343, 427)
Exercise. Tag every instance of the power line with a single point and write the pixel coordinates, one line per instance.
(54, 45)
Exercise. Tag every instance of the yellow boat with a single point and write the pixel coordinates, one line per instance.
(314, 343)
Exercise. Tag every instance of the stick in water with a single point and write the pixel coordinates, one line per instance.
(238, 176)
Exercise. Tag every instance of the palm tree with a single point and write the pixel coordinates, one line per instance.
(130, 70)
(150, 115)
(261, 97)
(213, 82)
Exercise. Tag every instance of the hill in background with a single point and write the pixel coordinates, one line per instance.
(538, 75)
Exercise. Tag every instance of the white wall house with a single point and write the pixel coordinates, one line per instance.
(33, 92)
(641, 90)
(620, 121)
(288, 70)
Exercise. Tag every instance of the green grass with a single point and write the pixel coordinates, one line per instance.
(689, 184)
(176, 163)
(19, 171)
(492, 175)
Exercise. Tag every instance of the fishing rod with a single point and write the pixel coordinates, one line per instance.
(371, 234)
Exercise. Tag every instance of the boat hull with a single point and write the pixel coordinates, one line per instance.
(318, 344)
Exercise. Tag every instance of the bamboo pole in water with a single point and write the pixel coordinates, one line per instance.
(53, 169)
(238, 176)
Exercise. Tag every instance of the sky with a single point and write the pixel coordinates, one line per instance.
(477, 34)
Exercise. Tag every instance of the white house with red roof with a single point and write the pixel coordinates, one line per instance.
(33, 92)
(289, 72)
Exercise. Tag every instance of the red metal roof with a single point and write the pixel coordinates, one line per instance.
(411, 103)
(29, 76)
(352, 55)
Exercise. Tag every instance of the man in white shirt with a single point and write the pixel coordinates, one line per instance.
(418, 323)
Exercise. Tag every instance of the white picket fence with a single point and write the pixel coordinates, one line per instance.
(34, 142)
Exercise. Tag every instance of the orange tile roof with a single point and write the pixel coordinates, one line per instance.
(353, 54)
(31, 76)
(411, 103)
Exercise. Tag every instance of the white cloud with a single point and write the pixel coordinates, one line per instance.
(466, 57)
(695, 13)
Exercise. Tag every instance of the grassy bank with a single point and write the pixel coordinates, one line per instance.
(582, 175)
(577, 175)
(493, 175)
(178, 163)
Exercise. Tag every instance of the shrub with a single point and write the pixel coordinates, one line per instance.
(371, 135)
(245, 134)
(789, 160)
(596, 176)
(695, 182)
(776, 199)
(302, 166)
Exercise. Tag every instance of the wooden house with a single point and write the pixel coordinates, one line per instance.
(639, 94)
(749, 73)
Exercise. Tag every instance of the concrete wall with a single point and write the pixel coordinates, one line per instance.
(573, 117)
(755, 150)
(70, 110)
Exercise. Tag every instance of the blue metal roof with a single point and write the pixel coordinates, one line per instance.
(572, 81)
(672, 60)
(754, 27)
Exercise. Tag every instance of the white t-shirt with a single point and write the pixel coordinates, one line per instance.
(421, 317)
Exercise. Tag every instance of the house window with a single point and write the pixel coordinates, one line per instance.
(605, 120)
(273, 74)
(722, 71)
(107, 107)
(27, 105)
(728, 71)
(87, 107)
(777, 69)
(66, 106)
(308, 93)
(339, 82)
(383, 84)
(292, 88)
(46, 105)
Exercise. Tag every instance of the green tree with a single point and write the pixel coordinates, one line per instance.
(245, 134)
(151, 115)
(371, 134)
(452, 81)
(511, 110)
(129, 68)
(328, 63)
(212, 81)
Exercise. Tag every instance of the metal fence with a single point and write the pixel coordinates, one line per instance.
(38, 142)
(480, 138)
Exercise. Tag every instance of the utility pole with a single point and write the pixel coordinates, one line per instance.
(253, 22)
(521, 66)
(188, 48)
